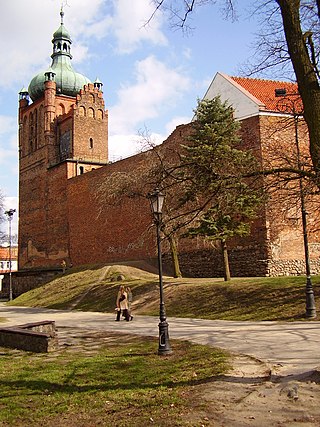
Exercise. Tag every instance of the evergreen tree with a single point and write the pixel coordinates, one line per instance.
(217, 174)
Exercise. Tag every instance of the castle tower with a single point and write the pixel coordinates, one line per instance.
(63, 133)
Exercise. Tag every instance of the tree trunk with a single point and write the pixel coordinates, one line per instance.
(226, 268)
(174, 255)
(305, 73)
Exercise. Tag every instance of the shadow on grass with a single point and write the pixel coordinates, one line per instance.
(34, 387)
(42, 387)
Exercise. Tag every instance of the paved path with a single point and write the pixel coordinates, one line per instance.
(290, 348)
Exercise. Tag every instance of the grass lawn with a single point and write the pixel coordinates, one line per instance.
(123, 382)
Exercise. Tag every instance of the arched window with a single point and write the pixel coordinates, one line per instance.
(82, 111)
(99, 114)
(31, 130)
(81, 170)
(35, 129)
(91, 143)
(25, 132)
(91, 112)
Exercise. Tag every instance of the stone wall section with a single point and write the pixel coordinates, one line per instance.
(38, 337)
(24, 281)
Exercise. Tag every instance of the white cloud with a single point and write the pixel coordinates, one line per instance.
(156, 89)
(131, 27)
(123, 146)
(7, 124)
(176, 121)
(26, 29)
(8, 139)
(123, 20)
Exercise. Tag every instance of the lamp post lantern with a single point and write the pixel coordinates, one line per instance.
(9, 214)
(156, 201)
(289, 105)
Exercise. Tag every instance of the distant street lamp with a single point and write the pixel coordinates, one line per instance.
(9, 214)
(156, 201)
(289, 105)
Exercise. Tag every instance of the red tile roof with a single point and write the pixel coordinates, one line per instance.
(264, 90)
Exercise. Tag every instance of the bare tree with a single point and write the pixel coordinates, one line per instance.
(153, 169)
(291, 33)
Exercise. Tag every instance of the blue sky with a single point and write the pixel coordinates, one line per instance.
(152, 74)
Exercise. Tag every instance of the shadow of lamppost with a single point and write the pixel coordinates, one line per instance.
(156, 201)
(9, 214)
(291, 103)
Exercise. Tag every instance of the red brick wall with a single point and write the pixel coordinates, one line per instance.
(90, 126)
(121, 229)
(43, 223)
(43, 207)
(102, 232)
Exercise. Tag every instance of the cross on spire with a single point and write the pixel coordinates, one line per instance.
(61, 13)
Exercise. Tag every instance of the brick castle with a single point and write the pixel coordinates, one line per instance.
(63, 163)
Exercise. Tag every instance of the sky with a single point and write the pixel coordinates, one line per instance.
(153, 73)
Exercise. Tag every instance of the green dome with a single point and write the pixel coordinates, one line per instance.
(61, 32)
(67, 80)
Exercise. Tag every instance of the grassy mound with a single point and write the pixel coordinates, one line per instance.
(95, 289)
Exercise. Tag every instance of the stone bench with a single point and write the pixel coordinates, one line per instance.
(38, 337)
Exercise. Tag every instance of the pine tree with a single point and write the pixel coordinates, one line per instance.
(217, 174)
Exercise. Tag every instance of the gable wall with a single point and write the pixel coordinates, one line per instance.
(244, 106)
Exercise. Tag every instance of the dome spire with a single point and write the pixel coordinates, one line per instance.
(61, 40)
(61, 71)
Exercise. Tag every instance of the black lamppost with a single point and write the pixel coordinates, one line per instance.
(156, 201)
(9, 214)
(289, 105)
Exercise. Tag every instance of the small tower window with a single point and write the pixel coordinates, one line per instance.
(91, 143)
(81, 170)
(91, 112)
